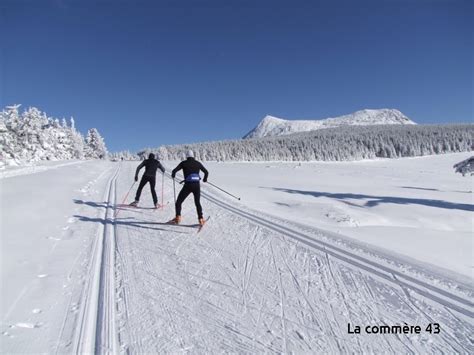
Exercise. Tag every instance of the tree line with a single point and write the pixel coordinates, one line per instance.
(333, 144)
(32, 136)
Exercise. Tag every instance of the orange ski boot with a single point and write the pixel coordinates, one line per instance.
(176, 220)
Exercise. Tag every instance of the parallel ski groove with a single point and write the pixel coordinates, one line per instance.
(96, 331)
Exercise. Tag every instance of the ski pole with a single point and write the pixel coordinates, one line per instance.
(174, 190)
(162, 188)
(228, 193)
(125, 197)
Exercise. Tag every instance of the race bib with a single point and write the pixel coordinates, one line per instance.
(193, 178)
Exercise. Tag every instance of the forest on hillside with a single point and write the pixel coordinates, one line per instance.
(334, 144)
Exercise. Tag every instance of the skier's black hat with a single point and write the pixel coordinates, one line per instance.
(151, 156)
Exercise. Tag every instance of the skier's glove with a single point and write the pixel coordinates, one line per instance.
(204, 180)
(136, 178)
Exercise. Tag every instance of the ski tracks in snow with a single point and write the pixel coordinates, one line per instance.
(249, 283)
(96, 330)
(352, 274)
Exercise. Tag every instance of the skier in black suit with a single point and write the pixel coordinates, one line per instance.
(191, 168)
(151, 166)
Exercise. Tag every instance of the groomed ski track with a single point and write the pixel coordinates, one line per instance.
(96, 331)
(251, 283)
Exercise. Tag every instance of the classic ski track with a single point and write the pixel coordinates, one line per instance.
(260, 310)
(440, 296)
(258, 326)
(282, 302)
(336, 276)
(411, 303)
(186, 287)
(298, 287)
(96, 332)
(123, 297)
(247, 269)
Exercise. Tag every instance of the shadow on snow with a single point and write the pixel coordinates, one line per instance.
(377, 200)
(430, 189)
(125, 221)
(93, 204)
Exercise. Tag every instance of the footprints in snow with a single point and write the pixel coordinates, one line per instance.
(87, 189)
(70, 221)
(75, 308)
(30, 323)
(342, 218)
(24, 325)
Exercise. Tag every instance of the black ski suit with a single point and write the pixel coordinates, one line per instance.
(151, 166)
(191, 169)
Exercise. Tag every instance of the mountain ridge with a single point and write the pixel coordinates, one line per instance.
(275, 126)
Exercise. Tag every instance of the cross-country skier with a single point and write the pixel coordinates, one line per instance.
(191, 168)
(151, 166)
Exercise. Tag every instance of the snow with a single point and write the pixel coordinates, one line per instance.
(274, 126)
(35, 167)
(415, 207)
(283, 270)
(43, 250)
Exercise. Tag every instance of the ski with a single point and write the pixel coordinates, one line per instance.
(162, 206)
(122, 206)
(200, 226)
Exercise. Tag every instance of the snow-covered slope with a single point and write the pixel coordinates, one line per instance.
(273, 126)
(88, 275)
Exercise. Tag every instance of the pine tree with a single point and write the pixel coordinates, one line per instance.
(9, 125)
(32, 136)
(95, 145)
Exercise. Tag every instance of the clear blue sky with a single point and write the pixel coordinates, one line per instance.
(147, 73)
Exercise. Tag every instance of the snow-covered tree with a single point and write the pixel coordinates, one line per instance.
(334, 144)
(9, 126)
(77, 144)
(465, 167)
(32, 135)
(123, 155)
(95, 145)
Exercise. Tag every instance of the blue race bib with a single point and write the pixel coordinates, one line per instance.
(192, 178)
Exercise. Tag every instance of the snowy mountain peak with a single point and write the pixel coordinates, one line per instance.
(274, 126)
(270, 119)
